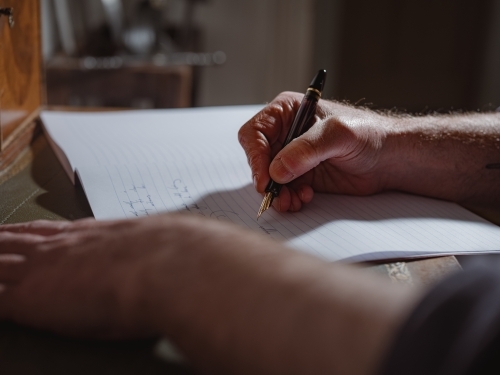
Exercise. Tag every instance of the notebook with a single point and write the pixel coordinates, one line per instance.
(141, 163)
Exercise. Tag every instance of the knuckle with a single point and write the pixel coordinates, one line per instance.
(82, 223)
(255, 129)
(288, 96)
(257, 158)
(242, 133)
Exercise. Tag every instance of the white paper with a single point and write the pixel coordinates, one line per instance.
(142, 163)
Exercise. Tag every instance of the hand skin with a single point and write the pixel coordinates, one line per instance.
(233, 301)
(357, 151)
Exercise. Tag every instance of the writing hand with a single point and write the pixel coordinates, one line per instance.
(340, 153)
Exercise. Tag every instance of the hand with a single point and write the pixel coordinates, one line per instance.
(340, 153)
(80, 278)
(129, 278)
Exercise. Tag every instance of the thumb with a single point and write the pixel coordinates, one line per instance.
(304, 153)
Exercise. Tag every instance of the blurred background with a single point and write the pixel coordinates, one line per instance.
(418, 56)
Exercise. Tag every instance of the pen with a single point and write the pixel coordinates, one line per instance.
(305, 113)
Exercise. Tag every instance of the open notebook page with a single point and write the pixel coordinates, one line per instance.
(134, 164)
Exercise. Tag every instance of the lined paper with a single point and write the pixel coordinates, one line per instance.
(143, 163)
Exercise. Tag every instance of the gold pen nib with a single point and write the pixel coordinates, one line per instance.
(266, 203)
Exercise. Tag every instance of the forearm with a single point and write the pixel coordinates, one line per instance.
(449, 157)
(258, 307)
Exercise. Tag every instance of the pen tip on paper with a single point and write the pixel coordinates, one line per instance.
(266, 203)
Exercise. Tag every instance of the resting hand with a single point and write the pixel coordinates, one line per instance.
(340, 153)
(80, 278)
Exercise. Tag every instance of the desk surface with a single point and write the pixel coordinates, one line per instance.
(36, 187)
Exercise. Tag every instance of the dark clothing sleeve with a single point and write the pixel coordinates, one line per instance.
(455, 329)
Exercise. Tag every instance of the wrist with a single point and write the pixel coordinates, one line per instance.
(397, 156)
(153, 293)
(414, 158)
(436, 156)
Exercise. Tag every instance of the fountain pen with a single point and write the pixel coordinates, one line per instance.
(304, 115)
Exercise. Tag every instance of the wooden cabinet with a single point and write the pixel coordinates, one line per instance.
(20, 76)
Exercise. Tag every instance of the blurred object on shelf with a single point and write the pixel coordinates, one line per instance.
(123, 53)
(159, 60)
(113, 10)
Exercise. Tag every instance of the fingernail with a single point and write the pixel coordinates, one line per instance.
(255, 181)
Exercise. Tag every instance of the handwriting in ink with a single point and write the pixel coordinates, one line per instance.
(150, 201)
(180, 189)
(225, 216)
(142, 210)
(177, 184)
(196, 206)
(146, 211)
(134, 188)
(267, 230)
(131, 203)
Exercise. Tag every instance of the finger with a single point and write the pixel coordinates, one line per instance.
(264, 133)
(8, 259)
(85, 224)
(293, 196)
(12, 267)
(50, 228)
(282, 202)
(19, 243)
(40, 227)
(286, 200)
(295, 202)
(88, 221)
(305, 193)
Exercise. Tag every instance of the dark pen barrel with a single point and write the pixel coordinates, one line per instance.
(304, 115)
(300, 124)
